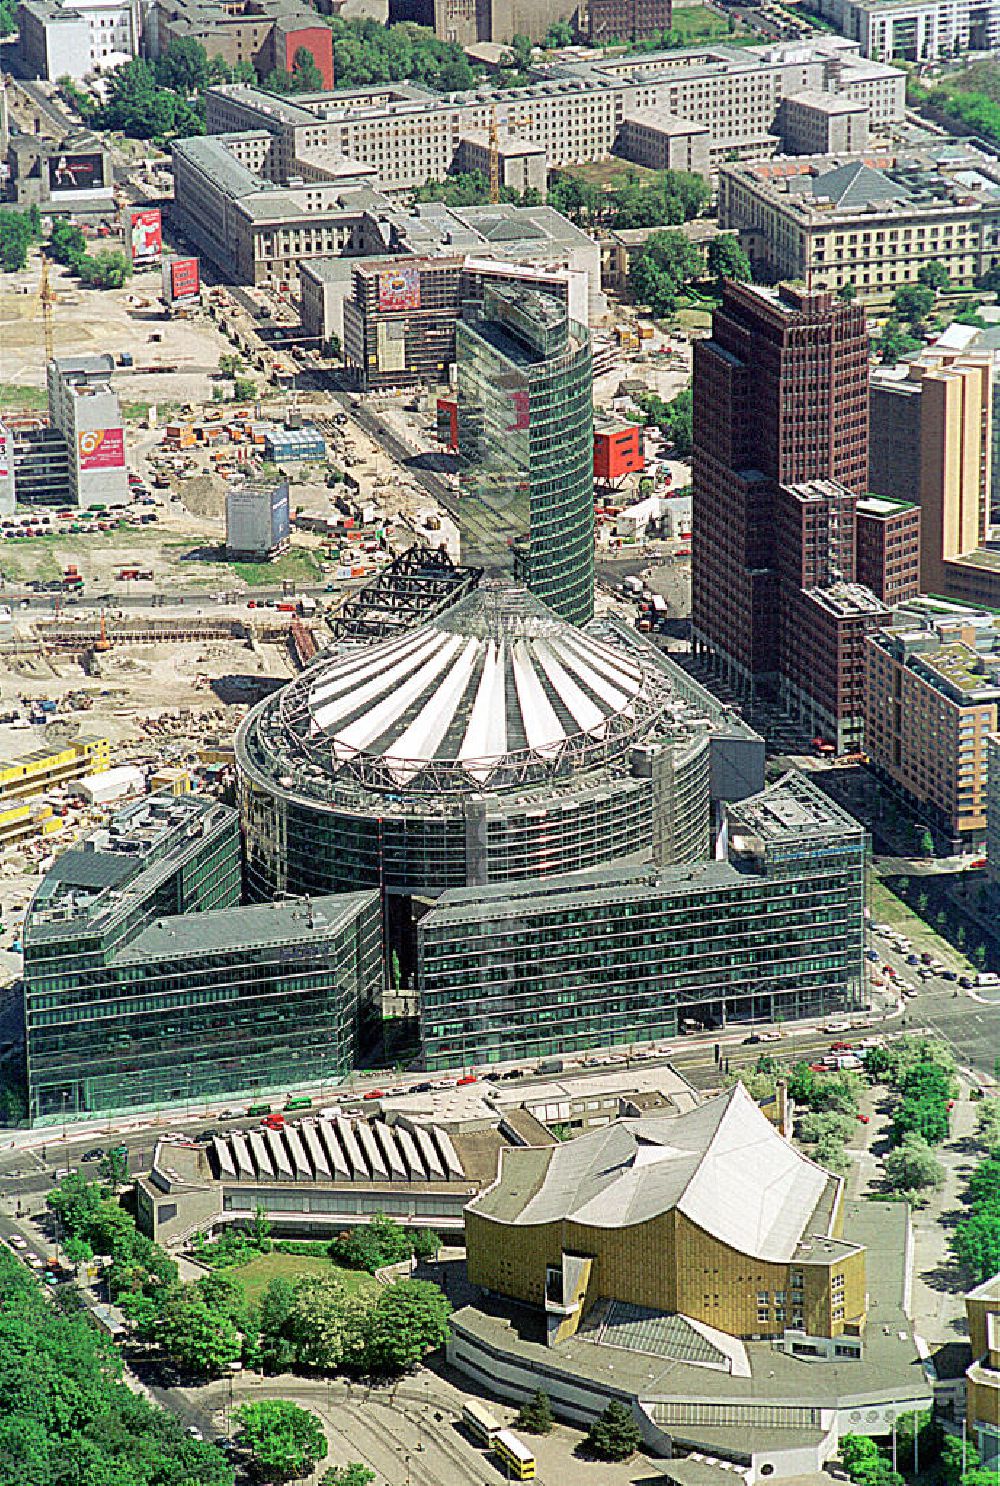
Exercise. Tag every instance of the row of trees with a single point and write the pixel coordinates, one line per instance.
(671, 197)
(471, 188)
(968, 99)
(674, 418)
(366, 52)
(921, 1071)
(975, 1241)
(65, 1414)
(920, 1444)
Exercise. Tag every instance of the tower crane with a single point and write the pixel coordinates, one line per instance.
(494, 144)
(47, 297)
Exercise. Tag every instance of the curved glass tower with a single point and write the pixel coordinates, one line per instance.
(526, 445)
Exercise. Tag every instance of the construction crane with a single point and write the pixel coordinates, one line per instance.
(494, 141)
(47, 298)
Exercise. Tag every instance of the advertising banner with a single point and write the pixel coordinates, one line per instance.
(181, 279)
(145, 231)
(4, 454)
(76, 172)
(102, 449)
(399, 289)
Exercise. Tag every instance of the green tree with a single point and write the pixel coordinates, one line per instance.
(520, 47)
(277, 1349)
(975, 1243)
(373, 1245)
(244, 389)
(306, 76)
(926, 843)
(114, 1170)
(76, 1202)
(109, 269)
(321, 1322)
(727, 260)
(560, 33)
(183, 66)
(283, 1441)
(425, 1242)
(536, 1415)
(352, 1474)
(913, 1166)
(18, 230)
(988, 1125)
(934, 276)
(894, 343)
(77, 1251)
(615, 1435)
(848, 292)
(201, 1341)
(913, 303)
(408, 1320)
(67, 243)
(824, 1125)
(952, 1455)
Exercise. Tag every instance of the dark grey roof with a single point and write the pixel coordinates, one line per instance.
(95, 869)
(858, 185)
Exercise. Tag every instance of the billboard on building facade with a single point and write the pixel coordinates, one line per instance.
(76, 172)
(399, 289)
(4, 454)
(145, 233)
(181, 279)
(101, 449)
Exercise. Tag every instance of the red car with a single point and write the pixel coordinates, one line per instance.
(864, 1119)
(374, 1094)
(470, 1078)
(273, 1122)
(841, 1047)
(819, 1068)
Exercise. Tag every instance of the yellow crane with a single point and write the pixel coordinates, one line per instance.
(47, 297)
(494, 141)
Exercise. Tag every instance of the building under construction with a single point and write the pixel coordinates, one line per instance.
(418, 584)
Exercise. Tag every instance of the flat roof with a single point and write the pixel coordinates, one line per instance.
(249, 926)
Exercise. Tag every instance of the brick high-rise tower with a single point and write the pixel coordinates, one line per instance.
(780, 457)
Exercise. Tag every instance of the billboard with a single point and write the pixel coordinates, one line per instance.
(399, 289)
(101, 449)
(181, 279)
(76, 172)
(4, 453)
(145, 233)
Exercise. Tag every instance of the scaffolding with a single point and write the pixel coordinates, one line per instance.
(417, 585)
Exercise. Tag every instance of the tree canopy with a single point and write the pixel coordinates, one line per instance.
(658, 275)
(615, 1435)
(364, 51)
(18, 230)
(282, 1440)
(727, 260)
(65, 1414)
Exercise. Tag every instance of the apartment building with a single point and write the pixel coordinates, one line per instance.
(265, 33)
(77, 38)
(658, 140)
(931, 441)
(916, 30)
(931, 698)
(872, 221)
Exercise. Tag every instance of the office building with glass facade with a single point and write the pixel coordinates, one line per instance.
(526, 445)
(147, 983)
(771, 928)
(491, 743)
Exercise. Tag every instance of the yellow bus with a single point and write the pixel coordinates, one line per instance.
(480, 1423)
(515, 1457)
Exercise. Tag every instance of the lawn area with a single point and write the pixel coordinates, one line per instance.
(887, 908)
(297, 567)
(607, 173)
(695, 22)
(15, 396)
(258, 1274)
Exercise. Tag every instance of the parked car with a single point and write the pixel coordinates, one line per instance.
(96, 1153)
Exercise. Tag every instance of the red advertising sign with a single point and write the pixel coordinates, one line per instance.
(102, 449)
(185, 280)
(399, 289)
(145, 234)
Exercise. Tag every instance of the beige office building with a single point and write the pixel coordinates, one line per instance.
(931, 442)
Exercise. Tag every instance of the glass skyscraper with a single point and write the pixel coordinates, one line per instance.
(526, 445)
